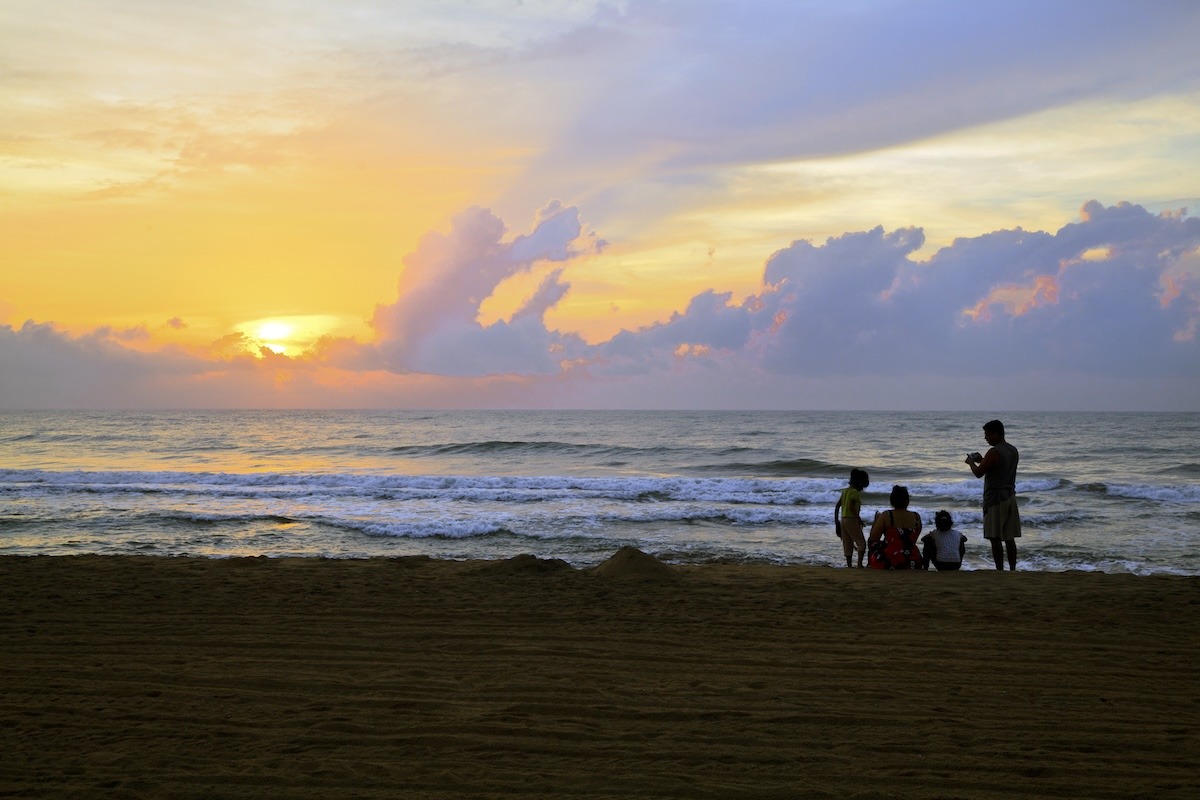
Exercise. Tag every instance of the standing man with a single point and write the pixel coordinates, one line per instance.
(998, 468)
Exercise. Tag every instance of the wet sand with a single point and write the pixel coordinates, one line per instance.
(412, 678)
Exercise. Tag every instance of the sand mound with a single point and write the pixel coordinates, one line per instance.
(527, 563)
(629, 562)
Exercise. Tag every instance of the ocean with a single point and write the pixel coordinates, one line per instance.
(1110, 492)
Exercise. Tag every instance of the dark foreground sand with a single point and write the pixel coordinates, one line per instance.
(305, 678)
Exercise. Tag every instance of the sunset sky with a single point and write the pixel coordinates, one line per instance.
(662, 204)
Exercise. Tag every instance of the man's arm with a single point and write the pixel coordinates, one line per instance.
(986, 464)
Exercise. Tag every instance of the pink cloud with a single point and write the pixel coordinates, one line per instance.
(1015, 300)
(1181, 287)
(433, 325)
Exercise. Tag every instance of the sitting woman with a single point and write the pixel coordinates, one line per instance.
(893, 540)
(945, 548)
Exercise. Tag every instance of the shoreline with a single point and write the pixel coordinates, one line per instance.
(151, 676)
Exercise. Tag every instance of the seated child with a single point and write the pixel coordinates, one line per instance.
(945, 547)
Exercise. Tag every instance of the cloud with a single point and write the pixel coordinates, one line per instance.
(1102, 294)
(1016, 300)
(433, 324)
(710, 327)
(1109, 303)
(41, 366)
(710, 82)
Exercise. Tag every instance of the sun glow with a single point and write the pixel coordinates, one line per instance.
(288, 336)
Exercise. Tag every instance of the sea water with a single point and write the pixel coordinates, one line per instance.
(1112, 492)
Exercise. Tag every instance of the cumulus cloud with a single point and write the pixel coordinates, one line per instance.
(433, 324)
(710, 326)
(41, 366)
(1003, 302)
(1109, 303)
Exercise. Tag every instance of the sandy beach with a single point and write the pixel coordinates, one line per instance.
(384, 678)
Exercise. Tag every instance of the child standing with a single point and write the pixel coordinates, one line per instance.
(847, 517)
(945, 547)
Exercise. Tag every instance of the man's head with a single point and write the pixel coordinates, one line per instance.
(993, 431)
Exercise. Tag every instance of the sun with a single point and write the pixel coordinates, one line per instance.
(274, 335)
(289, 336)
(274, 330)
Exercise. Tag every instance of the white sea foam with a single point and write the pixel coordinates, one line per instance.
(1180, 494)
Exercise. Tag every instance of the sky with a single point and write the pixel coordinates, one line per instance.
(868, 204)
